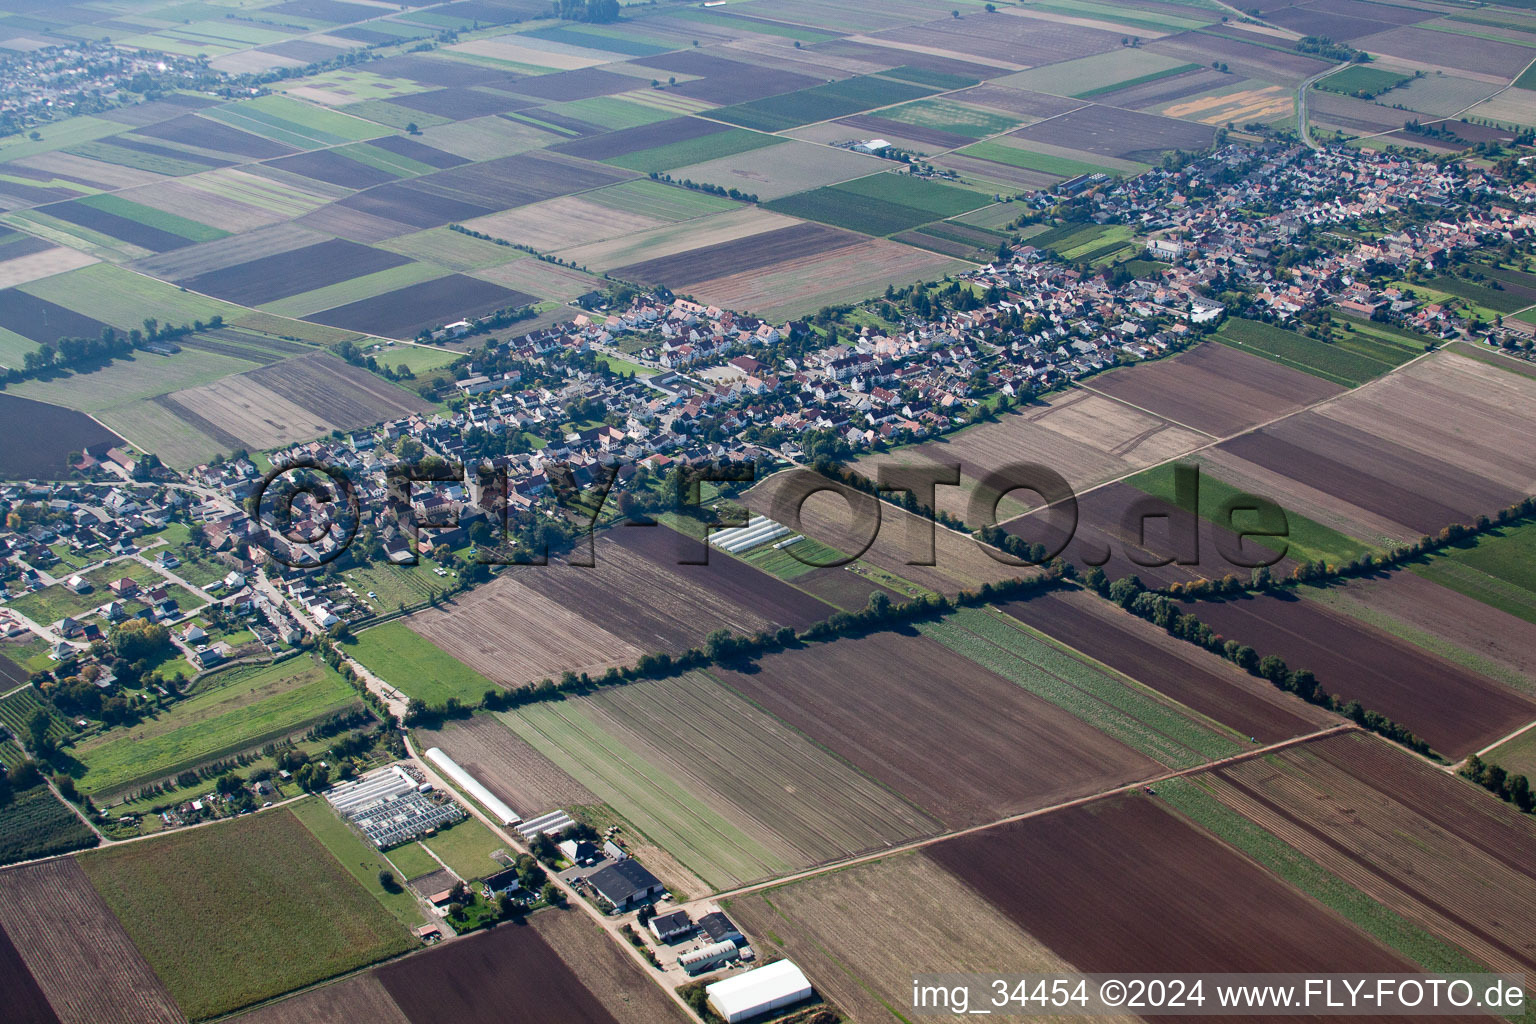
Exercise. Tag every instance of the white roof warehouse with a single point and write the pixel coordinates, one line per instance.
(759, 991)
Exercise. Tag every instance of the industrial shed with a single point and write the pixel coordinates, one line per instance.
(759, 991)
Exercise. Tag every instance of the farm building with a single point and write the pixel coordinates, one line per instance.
(720, 929)
(707, 958)
(626, 884)
(671, 927)
(467, 782)
(759, 991)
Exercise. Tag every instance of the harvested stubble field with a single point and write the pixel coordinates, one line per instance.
(1386, 823)
(1426, 609)
(960, 563)
(172, 895)
(1124, 134)
(1453, 709)
(361, 997)
(62, 933)
(777, 801)
(509, 975)
(957, 740)
(534, 622)
(529, 782)
(1129, 532)
(1249, 59)
(1214, 389)
(569, 220)
(1083, 436)
(1018, 39)
(858, 932)
(1473, 54)
(741, 256)
(605, 970)
(1162, 894)
(1200, 680)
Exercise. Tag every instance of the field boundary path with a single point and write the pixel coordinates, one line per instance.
(918, 844)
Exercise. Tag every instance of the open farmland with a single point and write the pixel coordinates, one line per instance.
(858, 932)
(407, 311)
(312, 921)
(1385, 823)
(62, 932)
(1083, 436)
(1495, 569)
(470, 982)
(1429, 607)
(1161, 890)
(293, 400)
(779, 170)
(881, 204)
(1214, 389)
(42, 436)
(1454, 710)
(529, 782)
(804, 284)
(607, 972)
(729, 790)
(361, 997)
(1124, 134)
(290, 273)
(1434, 444)
(235, 710)
(825, 517)
(744, 255)
(1349, 363)
(1173, 667)
(636, 599)
(956, 740)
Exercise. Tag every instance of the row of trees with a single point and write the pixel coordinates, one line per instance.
(1515, 789)
(724, 647)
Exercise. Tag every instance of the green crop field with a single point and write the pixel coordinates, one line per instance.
(1113, 704)
(820, 103)
(1518, 756)
(1190, 798)
(466, 848)
(693, 151)
(658, 199)
(241, 709)
(189, 229)
(656, 804)
(35, 823)
(1045, 163)
(881, 204)
(241, 911)
(1362, 81)
(357, 856)
(1350, 366)
(1498, 568)
(918, 193)
(304, 125)
(124, 299)
(416, 666)
(1307, 540)
(608, 112)
(365, 287)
